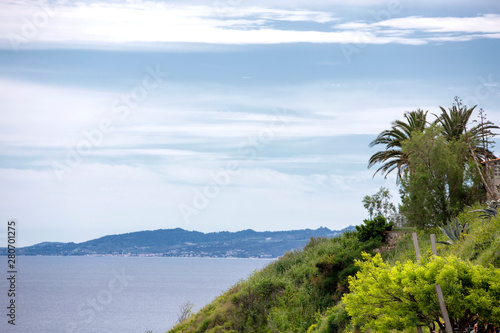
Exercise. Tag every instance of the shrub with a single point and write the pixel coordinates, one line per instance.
(375, 229)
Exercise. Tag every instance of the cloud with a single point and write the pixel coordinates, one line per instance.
(159, 25)
(219, 116)
(425, 29)
(170, 122)
(263, 13)
(488, 23)
(219, 123)
(169, 147)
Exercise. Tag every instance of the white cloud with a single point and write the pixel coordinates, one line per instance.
(152, 24)
(488, 23)
(57, 117)
(423, 29)
(297, 15)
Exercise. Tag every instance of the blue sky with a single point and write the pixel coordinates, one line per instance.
(220, 115)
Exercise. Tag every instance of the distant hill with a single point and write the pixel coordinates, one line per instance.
(182, 243)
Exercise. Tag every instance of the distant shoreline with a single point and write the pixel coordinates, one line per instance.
(140, 256)
(185, 244)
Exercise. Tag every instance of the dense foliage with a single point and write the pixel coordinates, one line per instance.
(438, 163)
(404, 296)
(302, 291)
(327, 287)
(477, 251)
(440, 182)
(287, 295)
(374, 229)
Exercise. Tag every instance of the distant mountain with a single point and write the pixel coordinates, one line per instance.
(182, 243)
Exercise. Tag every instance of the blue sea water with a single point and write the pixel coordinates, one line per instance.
(113, 294)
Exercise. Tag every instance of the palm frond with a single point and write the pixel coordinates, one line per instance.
(392, 157)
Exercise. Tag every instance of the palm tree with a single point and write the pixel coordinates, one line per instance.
(454, 123)
(392, 157)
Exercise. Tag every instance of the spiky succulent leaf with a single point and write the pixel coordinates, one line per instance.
(453, 230)
(489, 212)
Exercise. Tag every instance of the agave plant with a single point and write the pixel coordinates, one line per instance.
(490, 211)
(453, 230)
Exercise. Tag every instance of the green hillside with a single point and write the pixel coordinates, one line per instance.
(367, 280)
(302, 291)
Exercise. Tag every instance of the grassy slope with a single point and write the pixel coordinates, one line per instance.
(481, 246)
(300, 292)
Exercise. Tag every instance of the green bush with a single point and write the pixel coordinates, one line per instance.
(375, 229)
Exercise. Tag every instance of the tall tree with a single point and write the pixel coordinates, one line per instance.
(439, 185)
(454, 123)
(393, 158)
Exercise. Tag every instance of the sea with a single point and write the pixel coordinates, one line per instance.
(112, 294)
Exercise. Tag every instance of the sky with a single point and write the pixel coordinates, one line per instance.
(121, 116)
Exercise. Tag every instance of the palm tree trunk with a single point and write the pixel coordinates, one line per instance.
(492, 194)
